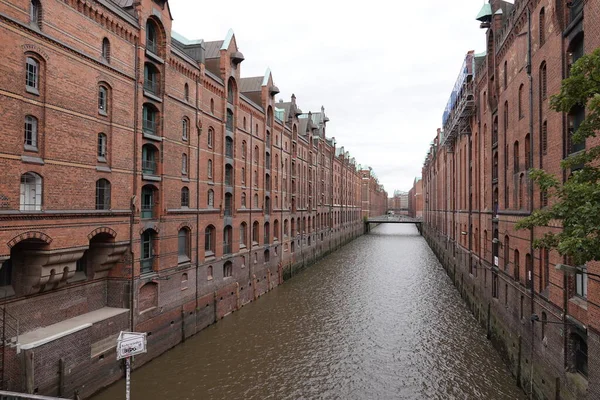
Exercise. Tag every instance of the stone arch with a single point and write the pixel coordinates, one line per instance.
(187, 225)
(102, 230)
(152, 226)
(29, 235)
(148, 296)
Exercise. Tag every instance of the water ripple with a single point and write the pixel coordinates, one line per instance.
(379, 319)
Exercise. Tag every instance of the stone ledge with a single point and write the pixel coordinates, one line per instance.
(41, 336)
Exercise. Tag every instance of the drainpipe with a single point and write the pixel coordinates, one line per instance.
(250, 226)
(135, 185)
(530, 190)
(199, 131)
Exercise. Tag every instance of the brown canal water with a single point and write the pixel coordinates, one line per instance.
(378, 319)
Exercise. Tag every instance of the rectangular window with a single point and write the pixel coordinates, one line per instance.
(31, 133)
(581, 284)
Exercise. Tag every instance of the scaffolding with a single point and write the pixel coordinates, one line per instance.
(461, 105)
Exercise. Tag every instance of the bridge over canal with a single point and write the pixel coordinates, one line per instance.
(393, 219)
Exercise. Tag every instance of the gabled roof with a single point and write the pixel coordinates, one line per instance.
(213, 49)
(252, 84)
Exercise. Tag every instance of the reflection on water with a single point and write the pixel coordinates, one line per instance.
(378, 319)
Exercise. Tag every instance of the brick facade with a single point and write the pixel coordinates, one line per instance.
(497, 126)
(152, 189)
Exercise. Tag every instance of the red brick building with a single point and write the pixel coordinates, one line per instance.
(373, 195)
(498, 125)
(147, 186)
(415, 199)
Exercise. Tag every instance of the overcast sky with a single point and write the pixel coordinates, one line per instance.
(383, 70)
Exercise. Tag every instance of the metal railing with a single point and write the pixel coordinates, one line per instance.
(151, 86)
(149, 126)
(149, 167)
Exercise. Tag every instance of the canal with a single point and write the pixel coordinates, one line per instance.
(379, 319)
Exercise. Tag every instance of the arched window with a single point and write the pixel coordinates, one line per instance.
(527, 152)
(148, 201)
(210, 137)
(255, 178)
(267, 256)
(544, 137)
(102, 146)
(505, 75)
(521, 109)
(227, 269)
(285, 228)
(209, 273)
(229, 147)
(32, 75)
(228, 211)
(244, 149)
(210, 202)
(243, 234)
(275, 230)
(544, 323)
(184, 281)
(521, 191)
(106, 49)
(150, 119)
(505, 117)
(31, 133)
(506, 252)
(151, 79)
(186, 92)
(209, 241)
(544, 269)
(267, 233)
(149, 157)
(185, 197)
(243, 176)
(103, 100)
(245, 123)
(256, 154)
(227, 239)
(148, 251)
(102, 194)
(543, 82)
(185, 128)
(243, 200)
(230, 91)
(580, 354)
(35, 13)
(212, 106)
(229, 123)
(542, 27)
(255, 228)
(255, 205)
(209, 169)
(151, 37)
(516, 263)
(183, 245)
(31, 192)
(184, 164)
(516, 165)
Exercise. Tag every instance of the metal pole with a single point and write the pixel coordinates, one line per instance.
(127, 378)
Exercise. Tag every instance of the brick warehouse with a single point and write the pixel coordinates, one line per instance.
(171, 192)
(498, 125)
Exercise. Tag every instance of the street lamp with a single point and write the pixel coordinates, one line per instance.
(572, 270)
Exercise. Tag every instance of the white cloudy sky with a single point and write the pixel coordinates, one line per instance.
(383, 69)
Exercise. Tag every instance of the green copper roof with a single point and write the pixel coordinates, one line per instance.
(486, 12)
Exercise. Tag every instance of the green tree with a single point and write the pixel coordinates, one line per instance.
(576, 204)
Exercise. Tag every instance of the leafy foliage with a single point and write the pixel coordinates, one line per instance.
(576, 202)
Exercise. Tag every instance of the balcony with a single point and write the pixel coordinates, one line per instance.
(149, 126)
(149, 167)
(152, 87)
(461, 105)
